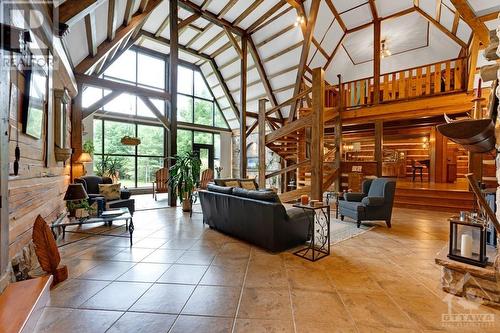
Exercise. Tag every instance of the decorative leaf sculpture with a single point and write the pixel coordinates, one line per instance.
(45, 246)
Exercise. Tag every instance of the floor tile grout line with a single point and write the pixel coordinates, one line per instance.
(241, 292)
(290, 297)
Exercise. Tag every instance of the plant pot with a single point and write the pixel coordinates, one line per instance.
(186, 205)
(62, 154)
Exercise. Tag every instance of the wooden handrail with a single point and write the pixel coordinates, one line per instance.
(288, 169)
(289, 101)
(402, 70)
(288, 128)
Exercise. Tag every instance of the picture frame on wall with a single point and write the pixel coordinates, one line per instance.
(35, 99)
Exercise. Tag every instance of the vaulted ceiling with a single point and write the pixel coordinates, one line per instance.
(417, 32)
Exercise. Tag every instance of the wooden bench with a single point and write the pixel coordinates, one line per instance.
(21, 304)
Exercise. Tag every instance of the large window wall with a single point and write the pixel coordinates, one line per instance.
(127, 115)
(136, 164)
(195, 102)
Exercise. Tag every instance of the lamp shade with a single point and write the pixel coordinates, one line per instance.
(75, 192)
(85, 158)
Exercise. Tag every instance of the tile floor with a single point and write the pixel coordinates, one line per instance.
(183, 277)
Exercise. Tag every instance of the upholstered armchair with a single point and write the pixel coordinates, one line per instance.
(91, 185)
(375, 204)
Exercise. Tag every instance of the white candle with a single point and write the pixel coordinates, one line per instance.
(466, 248)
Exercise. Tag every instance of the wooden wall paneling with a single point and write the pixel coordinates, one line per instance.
(439, 149)
(379, 144)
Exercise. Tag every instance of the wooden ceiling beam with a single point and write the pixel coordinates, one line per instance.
(87, 112)
(233, 41)
(72, 11)
(128, 12)
(121, 33)
(246, 12)
(441, 27)
(373, 8)
(187, 21)
(479, 28)
(143, 5)
(263, 75)
(336, 15)
(272, 19)
(90, 29)
(188, 5)
(227, 7)
(308, 36)
(111, 20)
(266, 16)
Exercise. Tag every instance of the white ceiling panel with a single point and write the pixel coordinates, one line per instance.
(463, 31)
(332, 37)
(358, 16)
(447, 17)
(261, 10)
(344, 5)
(389, 7)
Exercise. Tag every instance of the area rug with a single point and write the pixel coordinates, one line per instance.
(344, 230)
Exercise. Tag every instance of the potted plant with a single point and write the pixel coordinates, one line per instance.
(109, 167)
(183, 177)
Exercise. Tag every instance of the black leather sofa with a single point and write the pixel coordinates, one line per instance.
(91, 185)
(257, 217)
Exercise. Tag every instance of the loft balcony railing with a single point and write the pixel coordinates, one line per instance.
(424, 81)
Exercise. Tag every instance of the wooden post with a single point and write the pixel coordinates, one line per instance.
(262, 143)
(338, 137)
(76, 134)
(379, 145)
(174, 60)
(439, 163)
(471, 69)
(317, 132)
(376, 61)
(243, 109)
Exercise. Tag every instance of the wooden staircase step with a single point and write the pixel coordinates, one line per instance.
(21, 304)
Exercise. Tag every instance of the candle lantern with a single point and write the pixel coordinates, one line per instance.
(468, 241)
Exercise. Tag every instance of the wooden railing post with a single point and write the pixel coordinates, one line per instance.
(317, 132)
(262, 142)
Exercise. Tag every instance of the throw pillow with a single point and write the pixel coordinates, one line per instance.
(248, 184)
(232, 183)
(110, 191)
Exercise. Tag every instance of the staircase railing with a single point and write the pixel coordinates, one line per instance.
(290, 140)
(433, 79)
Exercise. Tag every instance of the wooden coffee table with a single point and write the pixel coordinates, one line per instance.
(124, 216)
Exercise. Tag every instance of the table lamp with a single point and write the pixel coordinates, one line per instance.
(84, 158)
(75, 192)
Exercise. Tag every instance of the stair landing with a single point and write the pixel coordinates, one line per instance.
(450, 197)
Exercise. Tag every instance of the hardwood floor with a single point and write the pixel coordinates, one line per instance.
(183, 277)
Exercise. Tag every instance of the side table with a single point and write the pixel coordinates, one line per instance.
(319, 233)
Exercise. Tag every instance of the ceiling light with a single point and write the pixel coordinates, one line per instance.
(384, 50)
(300, 20)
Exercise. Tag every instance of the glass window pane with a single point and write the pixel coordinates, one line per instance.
(203, 137)
(144, 111)
(146, 168)
(200, 88)
(219, 118)
(114, 132)
(126, 170)
(124, 104)
(185, 80)
(96, 163)
(90, 96)
(184, 141)
(151, 71)
(151, 140)
(203, 112)
(184, 109)
(217, 145)
(124, 67)
(97, 136)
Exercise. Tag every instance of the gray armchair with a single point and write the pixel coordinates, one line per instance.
(376, 204)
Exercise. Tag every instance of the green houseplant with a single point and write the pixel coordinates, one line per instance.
(183, 177)
(111, 167)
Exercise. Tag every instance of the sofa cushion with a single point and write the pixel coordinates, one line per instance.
(248, 184)
(110, 191)
(220, 189)
(240, 192)
(268, 196)
(224, 182)
(351, 205)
